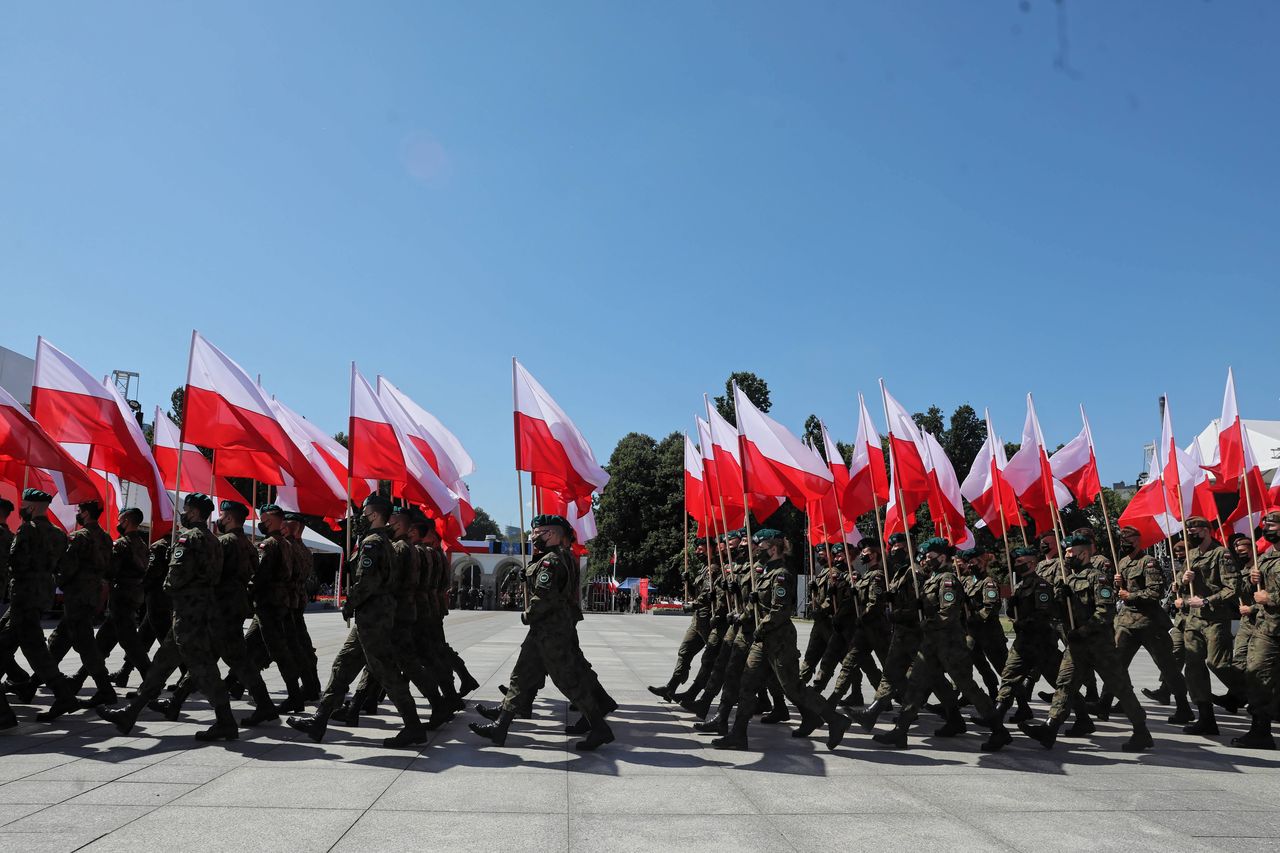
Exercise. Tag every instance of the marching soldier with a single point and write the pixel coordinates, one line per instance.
(371, 641)
(990, 648)
(81, 573)
(269, 634)
(1088, 598)
(719, 624)
(907, 625)
(941, 650)
(304, 651)
(821, 611)
(698, 603)
(1263, 659)
(773, 648)
(870, 631)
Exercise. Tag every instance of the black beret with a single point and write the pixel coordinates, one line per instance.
(764, 534)
(234, 508)
(379, 503)
(1025, 552)
(1274, 515)
(551, 521)
(295, 516)
(1077, 539)
(869, 542)
(837, 548)
(938, 544)
(199, 500)
(898, 539)
(133, 513)
(94, 508)
(270, 508)
(971, 553)
(6, 505)
(36, 496)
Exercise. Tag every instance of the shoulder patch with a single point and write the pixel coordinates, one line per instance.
(366, 562)
(780, 591)
(182, 540)
(948, 596)
(1104, 592)
(1043, 597)
(992, 594)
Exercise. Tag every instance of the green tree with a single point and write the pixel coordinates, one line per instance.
(481, 526)
(341, 438)
(176, 401)
(756, 389)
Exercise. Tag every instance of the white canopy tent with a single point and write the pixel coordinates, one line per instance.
(1264, 441)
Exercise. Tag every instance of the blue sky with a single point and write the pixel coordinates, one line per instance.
(637, 199)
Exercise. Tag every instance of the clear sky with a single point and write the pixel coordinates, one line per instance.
(974, 200)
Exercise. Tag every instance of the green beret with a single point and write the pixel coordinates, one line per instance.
(295, 516)
(36, 496)
(378, 503)
(234, 508)
(1197, 521)
(737, 534)
(764, 534)
(1025, 552)
(200, 501)
(132, 513)
(1274, 515)
(837, 548)
(93, 508)
(898, 539)
(552, 521)
(1080, 539)
(275, 508)
(971, 553)
(722, 537)
(937, 544)
(869, 542)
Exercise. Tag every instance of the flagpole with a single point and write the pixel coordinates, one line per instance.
(346, 554)
(684, 544)
(1004, 523)
(746, 509)
(1182, 512)
(1042, 459)
(724, 514)
(902, 509)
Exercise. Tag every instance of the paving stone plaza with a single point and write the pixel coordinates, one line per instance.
(74, 785)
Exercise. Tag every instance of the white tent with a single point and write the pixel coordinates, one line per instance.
(1264, 441)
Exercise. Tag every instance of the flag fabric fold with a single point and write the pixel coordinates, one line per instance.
(775, 462)
(868, 482)
(1075, 465)
(1031, 476)
(23, 442)
(987, 490)
(549, 445)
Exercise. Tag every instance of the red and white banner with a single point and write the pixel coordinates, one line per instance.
(313, 487)
(909, 477)
(197, 473)
(775, 462)
(1148, 511)
(1181, 475)
(549, 445)
(987, 490)
(1031, 476)
(728, 473)
(868, 483)
(695, 490)
(1075, 465)
(946, 505)
(24, 443)
(440, 447)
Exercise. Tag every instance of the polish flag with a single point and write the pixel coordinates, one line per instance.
(1228, 464)
(695, 490)
(229, 413)
(25, 443)
(1148, 511)
(549, 445)
(908, 473)
(728, 469)
(827, 521)
(721, 513)
(584, 525)
(1075, 465)
(1185, 482)
(1253, 494)
(775, 462)
(311, 487)
(379, 449)
(434, 441)
(325, 449)
(197, 473)
(945, 503)
(868, 482)
(1031, 476)
(986, 488)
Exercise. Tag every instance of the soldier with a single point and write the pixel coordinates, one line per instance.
(439, 585)
(428, 632)
(80, 574)
(941, 650)
(302, 649)
(125, 597)
(719, 625)
(1143, 621)
(844, 620)
(1088, 600)
(1035, 643)
(1210, 592)
(269, 636)
(742, 584)
(1246, 557)
(36, 549)
(870, 629)
(371, 642)
(549, 646)
(1262, 664)
(698, 603)
(195, 569)
(773, 649)
(232, 608)
(989, 648)
(821, 588)
(903, 596)
(727, 545)
(6, 542)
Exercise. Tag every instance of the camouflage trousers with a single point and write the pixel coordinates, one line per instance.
(230, 646)
(21, 629)
(902, 652)
(190, 641)
(270, 639)
(550, 650)
(710, 653)
(867, 638)
(1093, 654)
(1034, 651)
(819, 638)
(1262, 665)
(75, 629)
(941, 652)
(695, 639)
(1154, 637)
(775, 655)
(370, 643)
(1208, 647)
(121, 626)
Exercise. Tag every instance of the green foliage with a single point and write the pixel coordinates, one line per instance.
(341, 438)
(481, 526)
(176, 401)
(756, 389)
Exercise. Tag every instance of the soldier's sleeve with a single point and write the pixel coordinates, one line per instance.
(546, 582)
(183, 563)
(1104, 601)
(950, 604)
(775, 602)
(1229, 575)
(1152, 582)
(990, 598)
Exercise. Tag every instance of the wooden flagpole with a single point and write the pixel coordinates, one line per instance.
(902, 509)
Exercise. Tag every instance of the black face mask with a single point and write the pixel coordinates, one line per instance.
(1076, 562)
(1126, 547)
(539, 543)
(1194, 538)
(24, 513)
(1271, 536)
(81, 520)
(262, 528)
(121, 527)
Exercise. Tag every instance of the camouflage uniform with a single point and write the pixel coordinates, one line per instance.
(1142, 622)
(301, 647)
(990, 649)
(1207, 629)
(696, 635)
(1035, 639)
(269, 636)
(717, 596)
(81, 572)
(124, 603)
(871, 633)
(34, 554)
(1263, 660)
(195, 569)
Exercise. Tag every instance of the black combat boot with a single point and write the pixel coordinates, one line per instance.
(664, 692)
(1024, 712)
(264, 710)
(581, 727)
(293, 702)
(122, 718)
(997, 716)
(700, 707)
(170, 708)
(235, 690)
(1206, 725)
(8, 719)
(598, 736)
(896, 737)
(952, 725)
(104, 695)
(64, 703)
(1046, 734)
(719, 724)
(489, 712)
(466, 683)
(837, 725)
(1082, 727)
(779, 714)
(496, 732)
(349, 713)
(224, 726)
(736, 737)
(868, 716)
(1258, 736)
(1160, 695)
(854, 699)
(1139, 741)
(413, 732)
(1182, 714)
(120, 678)
(1228, 702)
(1103, 707)
(999, 739)
(310, 686)
(311, 725)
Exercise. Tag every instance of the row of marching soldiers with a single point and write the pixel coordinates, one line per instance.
(181, 605)
(920, 628)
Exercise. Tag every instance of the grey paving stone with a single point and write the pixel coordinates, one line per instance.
(531, 793)
(657, 795)
(128, 793)
(46, 793)
(884, 833)
(395, 831)
(704, 833)
(332, 788)
(217, 829)
(1123, 832)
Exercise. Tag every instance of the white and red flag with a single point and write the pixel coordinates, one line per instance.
(727, 453)
(695, 489)
(946, 505)
(312, 486)
(25, 444)
(986, 488)
(1075, 465)
(1182, 475)
(1031, 476)
(379, 450)
(1148, 511)
(868, 481)
(775, 462)
(827, 521)
(1228, 465)
(549, 445)
(910, 485)
(721, 515)
(197, 473)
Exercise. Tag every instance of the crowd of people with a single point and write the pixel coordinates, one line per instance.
(920, 625)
